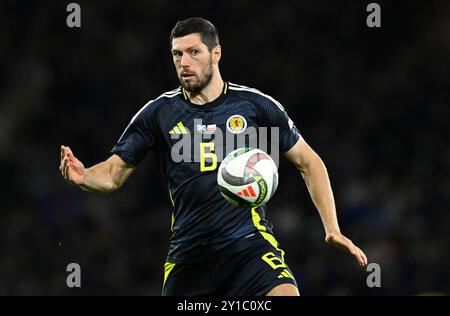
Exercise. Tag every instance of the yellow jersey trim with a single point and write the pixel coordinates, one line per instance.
(263, 230)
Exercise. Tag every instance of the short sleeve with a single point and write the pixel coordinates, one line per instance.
(274, 115)
(138, 138)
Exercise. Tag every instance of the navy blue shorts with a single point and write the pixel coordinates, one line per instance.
(251, 272)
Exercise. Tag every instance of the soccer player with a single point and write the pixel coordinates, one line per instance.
(216, 248)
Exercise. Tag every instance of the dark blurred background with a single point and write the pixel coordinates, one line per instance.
(374, 103)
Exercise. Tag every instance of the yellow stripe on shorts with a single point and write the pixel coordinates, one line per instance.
(168, 266)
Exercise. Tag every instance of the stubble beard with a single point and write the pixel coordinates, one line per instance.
(201, 83)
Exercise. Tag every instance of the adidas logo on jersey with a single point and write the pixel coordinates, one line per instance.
(178, 129)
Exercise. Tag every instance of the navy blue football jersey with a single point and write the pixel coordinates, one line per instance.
(190, 141)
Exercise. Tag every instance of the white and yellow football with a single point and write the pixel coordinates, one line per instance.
(247, 177)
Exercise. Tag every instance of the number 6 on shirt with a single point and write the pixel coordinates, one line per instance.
(204, 155)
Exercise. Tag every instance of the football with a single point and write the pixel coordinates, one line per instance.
(247, 177)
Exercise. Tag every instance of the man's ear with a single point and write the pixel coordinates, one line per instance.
(216, 54)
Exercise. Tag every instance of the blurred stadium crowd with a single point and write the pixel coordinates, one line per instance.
(374, 103)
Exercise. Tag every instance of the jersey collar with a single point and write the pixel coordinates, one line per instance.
(218, 101)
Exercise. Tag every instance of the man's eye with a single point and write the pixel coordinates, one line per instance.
(194, 52)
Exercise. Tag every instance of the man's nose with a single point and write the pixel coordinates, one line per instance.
(185, 61)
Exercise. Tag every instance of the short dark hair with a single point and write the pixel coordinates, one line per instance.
(208, 32)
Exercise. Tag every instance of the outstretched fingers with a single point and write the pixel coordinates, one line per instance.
(361, 257)
(68, 151)
(62, 166)
(342, 242)
(66, 168)
(67, 159)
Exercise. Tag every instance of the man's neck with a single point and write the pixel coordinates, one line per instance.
(211, 92)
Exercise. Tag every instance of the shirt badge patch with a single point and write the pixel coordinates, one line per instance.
(206, 129)
(236, 124)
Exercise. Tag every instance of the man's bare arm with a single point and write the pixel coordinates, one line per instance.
(315, 174)
(106, 177)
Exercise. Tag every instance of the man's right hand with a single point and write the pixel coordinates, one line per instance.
(71, 168)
